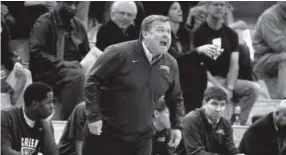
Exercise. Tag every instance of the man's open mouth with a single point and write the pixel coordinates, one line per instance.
(163, 43)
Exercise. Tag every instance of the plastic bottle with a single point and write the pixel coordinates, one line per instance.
(236, 116)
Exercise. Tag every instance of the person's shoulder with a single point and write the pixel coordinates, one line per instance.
(11, 113)
(124, 48)
(201, 28)
(171, 60)
(265, 122)
(226, 122)
(45, 18)
(193, 116)
(271, 12)
(127, 45)
(108, 27)
(79, 23)
(229, 30)
(230, 33)
(44, 21)
(268, 16)
(80, 105)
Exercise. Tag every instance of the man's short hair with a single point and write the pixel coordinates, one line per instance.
(214, 93)
(36, 91)
(160, 105)
(148, 21)
(115, 4)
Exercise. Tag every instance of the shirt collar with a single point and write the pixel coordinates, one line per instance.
(30, 122)
(147, 53)
(212, 122)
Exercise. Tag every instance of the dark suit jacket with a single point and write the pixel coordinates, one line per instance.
(261, 138)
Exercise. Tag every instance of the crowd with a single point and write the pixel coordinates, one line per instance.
(138, 78)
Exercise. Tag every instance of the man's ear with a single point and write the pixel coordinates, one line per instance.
(156, 113)
(144, 34)
(204, 103)
(35, 104)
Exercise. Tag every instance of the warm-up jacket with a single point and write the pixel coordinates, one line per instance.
(201, 138)
(123, 87)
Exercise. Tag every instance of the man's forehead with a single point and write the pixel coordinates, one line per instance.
(218, 2)
(71, 2)
(218, 101)
(128, 7)
(161, 24)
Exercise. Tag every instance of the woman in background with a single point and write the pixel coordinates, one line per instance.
(192, 73)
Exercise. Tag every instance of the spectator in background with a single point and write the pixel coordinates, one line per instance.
(24, 130)
(267, 135)
(198, 15)
(11, 95)
(95, 20)
(121, 26)
(25, 14)
(58, 42)
(192, 74)
(269, 42)
(34, 9)
(138, 19)
(162, 125)
(205, 131)
(222, 61)
(72, 137)
(8, 58)
(134, 74)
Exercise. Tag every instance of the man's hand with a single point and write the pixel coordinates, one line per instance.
(208, 50)
(95, 127)
(175, 138)
(239, 25)
(19, 70)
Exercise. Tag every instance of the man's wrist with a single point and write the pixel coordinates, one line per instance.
(229, 87)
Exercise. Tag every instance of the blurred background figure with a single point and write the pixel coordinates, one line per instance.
(270, 49)
(25, 14)
(58, 43)
(205, 130)
(269, 131)
(162, 126)
(14, 77)
(28, 129)
(121, 25)
(223, 66)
